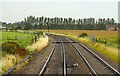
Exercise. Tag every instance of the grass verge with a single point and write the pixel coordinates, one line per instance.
(39, 45)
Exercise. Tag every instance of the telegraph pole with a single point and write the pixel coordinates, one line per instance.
(48, 27)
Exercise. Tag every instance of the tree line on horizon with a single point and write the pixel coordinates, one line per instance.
(32, 22)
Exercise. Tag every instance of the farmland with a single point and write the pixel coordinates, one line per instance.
(21, 38)
(99, 33)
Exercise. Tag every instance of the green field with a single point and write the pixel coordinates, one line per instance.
(21, 38)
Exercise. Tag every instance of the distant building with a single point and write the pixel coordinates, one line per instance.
(112, 27)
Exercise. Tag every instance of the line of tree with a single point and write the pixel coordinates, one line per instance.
(32, 22)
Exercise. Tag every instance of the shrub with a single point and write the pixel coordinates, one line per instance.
(83, 35)
(9, 47)
(12, 48)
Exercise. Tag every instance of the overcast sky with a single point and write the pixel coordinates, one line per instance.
(14, 10)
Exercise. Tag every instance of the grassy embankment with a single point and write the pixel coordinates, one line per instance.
(18, 46)
(109, 48)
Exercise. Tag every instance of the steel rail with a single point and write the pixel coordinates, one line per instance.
(85, 60)
(47, 61)
(64, 58)
(100, 59)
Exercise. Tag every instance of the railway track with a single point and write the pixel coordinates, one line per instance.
(47, 69)
(87, 64)
(105, 67)
(64, 58)
(47, 61)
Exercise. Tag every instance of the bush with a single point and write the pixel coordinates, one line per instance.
(12, 48)
(9, 47)
(83, 35)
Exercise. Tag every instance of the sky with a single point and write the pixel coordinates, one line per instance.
(16, 10)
